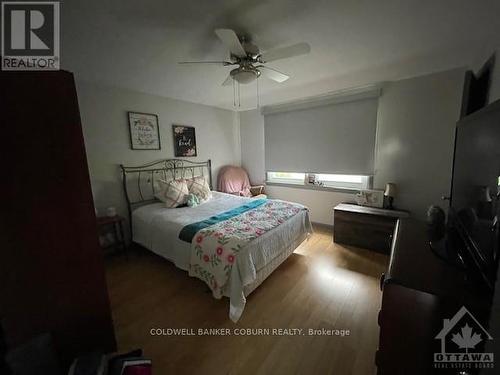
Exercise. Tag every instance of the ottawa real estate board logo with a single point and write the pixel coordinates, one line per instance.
(462, 343)
(30, 35)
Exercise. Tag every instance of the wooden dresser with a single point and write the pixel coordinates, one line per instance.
(366, 227)
(419, 291)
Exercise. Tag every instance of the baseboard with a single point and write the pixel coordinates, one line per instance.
(322, 225)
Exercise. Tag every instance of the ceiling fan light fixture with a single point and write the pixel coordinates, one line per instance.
(251, 62)
(245, 75)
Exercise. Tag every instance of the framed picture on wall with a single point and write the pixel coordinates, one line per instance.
(184, 140)
(144, 131)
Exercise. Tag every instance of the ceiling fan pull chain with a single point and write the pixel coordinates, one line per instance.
(239, 96)
(258, 97)
(234, 94)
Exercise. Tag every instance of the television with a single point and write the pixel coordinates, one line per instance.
(473, 216)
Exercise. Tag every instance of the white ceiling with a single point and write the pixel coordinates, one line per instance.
(137, 44)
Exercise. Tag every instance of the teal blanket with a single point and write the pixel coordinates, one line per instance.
(187, 233)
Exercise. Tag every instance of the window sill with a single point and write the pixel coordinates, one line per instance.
(313, 187)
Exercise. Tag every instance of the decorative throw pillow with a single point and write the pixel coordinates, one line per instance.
(160, 186)
(193, 200)
(174, 193)
(199, 187)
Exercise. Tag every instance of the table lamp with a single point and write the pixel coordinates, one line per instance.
(390, 193)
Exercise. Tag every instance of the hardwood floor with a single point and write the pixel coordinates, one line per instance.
(322, 285)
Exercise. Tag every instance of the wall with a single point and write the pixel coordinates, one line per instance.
(105, 126)
(415, 138)
(414, 147)
(252, 145)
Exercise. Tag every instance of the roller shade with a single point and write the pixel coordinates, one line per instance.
(334, 138)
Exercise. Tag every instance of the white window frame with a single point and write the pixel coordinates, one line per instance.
(341, 181)
(323, 180)
(295, 179)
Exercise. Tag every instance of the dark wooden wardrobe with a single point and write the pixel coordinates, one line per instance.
(51, 268)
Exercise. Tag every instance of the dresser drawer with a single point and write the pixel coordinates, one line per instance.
(369, 234)
(380, 222)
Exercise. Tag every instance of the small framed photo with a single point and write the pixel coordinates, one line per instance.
(144, 131)
(184, 140)
(311, 178)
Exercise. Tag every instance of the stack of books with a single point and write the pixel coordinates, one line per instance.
(132, 363)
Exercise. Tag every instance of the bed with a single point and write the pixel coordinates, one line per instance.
(165, 231)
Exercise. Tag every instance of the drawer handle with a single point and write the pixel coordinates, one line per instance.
(382, 279)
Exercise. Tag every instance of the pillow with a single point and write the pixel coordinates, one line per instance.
(199, 187)
(193, 200)
(159, 187)
(173, 193)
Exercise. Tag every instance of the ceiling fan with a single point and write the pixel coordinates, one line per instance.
(250, 60)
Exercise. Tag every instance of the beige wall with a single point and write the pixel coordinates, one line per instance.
(252, 145)
(105, 127)
(415, 138)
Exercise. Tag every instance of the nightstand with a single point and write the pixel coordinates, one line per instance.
(110, 229)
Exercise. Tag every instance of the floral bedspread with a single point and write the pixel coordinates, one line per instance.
(214, 250)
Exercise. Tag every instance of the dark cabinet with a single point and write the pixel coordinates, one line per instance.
(51, 268)
(420, 291)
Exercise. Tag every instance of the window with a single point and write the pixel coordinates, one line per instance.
(343, 181)
(286, 177)
(338, 181)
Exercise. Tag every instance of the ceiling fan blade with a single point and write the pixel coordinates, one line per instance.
(284, 52)
(228, 81)
(223, 63)
(273, 74)
(231, 41)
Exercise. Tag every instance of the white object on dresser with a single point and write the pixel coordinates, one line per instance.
(370, 198)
